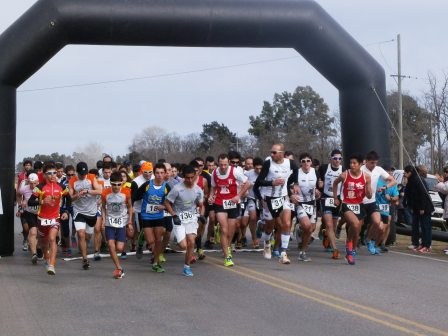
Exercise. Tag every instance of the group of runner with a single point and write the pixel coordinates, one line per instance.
(125, 206)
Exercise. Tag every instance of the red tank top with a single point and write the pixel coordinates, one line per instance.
(56, 191)
(226, 188)
(354, 189)
(200, 182)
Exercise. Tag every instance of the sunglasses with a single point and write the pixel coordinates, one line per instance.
(147, 172)
(234, 162)
(337, 158)
(275, 152)
(70, 175)
(305, 160)
(116, 184)
(50, 173)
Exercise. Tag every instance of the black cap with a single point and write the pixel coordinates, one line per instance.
(81, 168)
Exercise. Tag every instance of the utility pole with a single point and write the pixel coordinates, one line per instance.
(400, 107)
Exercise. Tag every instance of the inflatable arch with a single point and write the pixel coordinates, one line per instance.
(50, 25)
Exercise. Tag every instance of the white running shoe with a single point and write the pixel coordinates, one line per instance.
(267, 254)
(284, 259)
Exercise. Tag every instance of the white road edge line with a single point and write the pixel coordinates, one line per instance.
(419, 256)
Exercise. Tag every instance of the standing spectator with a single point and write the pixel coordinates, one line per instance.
(418, 199)
(442, 188)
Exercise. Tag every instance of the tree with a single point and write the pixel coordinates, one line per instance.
(299, 120)
(415, 126)
(216, 138)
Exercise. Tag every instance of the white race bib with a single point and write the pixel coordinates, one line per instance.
(228, 204)
(152, 208)
(329, 202)
(242, 205)
(116, 222)
(355, 208)
(277, 203)
(309, 209)
(187, 217)
(48, 222)
(384, 207)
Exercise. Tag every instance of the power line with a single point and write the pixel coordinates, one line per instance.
(173, 74)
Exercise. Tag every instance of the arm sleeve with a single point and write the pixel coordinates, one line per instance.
(134, 188)
(295, 172)
(141, 191)
(261, 179)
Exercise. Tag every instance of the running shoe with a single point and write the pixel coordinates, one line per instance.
(384, 248)
(267, 250)
(162, 258)
(187, 272)
(68, 253)
(96, 256)
(34, 259)
(304, 257)
(256, 244)
(349, 258)
(276, 253)
(40, 254)
(412, 247)
(377, 251)
(193, 259)
(51, 270)
(123, 255)
(85, 264)
(228, 261)
(335, 255)
(418, 248)
(239, 245)
(74, 242)
(139, 253)
(157, 268)
(329, 249)
(208, 245)
(25, 245)
(201, 255)
(284, 259)
(424, 250)
(371, 247)
(119, 273)
(244, 242)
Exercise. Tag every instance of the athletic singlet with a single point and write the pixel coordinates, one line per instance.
(252, 177)
(277, 170)
(354, 189)
(200, 182)
(56, 191)
(26, 191)
(139, 181)
(86, 204)
(307, 185)
(116, 207)
(154, 196)
(226, 188)
(330, 176)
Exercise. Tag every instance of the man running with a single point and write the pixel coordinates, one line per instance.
(185, 197)
(272, 189)
(225, 197)
(355, 186)
(116, 212)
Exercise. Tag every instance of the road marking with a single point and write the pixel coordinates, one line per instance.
(419, 256)
(274, 282)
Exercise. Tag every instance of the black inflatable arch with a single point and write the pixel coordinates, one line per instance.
(50, 25)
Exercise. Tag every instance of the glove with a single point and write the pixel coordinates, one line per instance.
(202, 220)
(176, 220)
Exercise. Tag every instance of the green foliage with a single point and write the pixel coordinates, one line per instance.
(216, 137)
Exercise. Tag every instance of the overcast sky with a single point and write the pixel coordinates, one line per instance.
(182, 103)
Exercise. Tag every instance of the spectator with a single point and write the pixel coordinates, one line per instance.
(442, 188)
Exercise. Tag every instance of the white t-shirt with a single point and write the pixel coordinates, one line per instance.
(374, 177)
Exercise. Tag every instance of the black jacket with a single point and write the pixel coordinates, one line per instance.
(417, 195)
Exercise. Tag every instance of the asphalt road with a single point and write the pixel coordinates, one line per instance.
(393, 294)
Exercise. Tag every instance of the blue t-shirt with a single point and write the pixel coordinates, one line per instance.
(380, 197)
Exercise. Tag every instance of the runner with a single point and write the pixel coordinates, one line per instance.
(99, 234)
(84, 189)
(224, 196)
(48, 197)
(355, 186)
(376, 230)
(330, 213)
(186, 197)
(204, 184)
(209, 208)
(272, 189)
(28, 214)
(116, 212)
(153, 195)
(305, 201)
(251, 211)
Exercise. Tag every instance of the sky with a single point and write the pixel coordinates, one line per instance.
(193, 86)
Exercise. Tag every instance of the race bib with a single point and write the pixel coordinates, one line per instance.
(116, 222)
(152, 208)
(33, 209)
(228, 204)
(309, 209)
(187, 216)
(384, 207)
(277, 203)
(355, 208)
(329, 202)
(242, 205)
(48, 222)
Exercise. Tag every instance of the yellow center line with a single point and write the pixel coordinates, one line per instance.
(275, 282)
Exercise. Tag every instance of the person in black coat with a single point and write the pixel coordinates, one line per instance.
(418, 199)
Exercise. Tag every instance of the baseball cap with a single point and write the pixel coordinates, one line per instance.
(33, 177)
(81, 168)
(146, 166)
